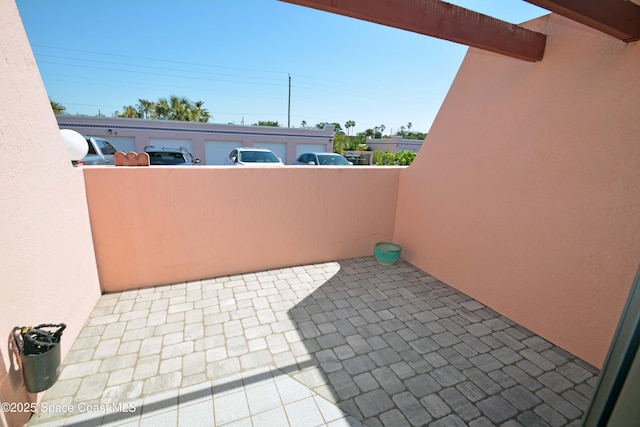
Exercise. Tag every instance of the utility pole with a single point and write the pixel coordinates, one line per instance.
(289, 105)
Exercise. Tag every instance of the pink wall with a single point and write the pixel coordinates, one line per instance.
(526, 193)
(162, 225)
(46, 256)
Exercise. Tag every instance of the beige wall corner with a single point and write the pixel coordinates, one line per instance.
(526, 193)
(46, 258)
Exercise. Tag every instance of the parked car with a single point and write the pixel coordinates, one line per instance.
(250, 156)
(100, 152)
(170, 156)
(322, 159)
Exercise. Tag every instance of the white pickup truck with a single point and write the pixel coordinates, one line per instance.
(100, 152)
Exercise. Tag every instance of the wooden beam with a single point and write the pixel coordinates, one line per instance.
(436, 18)
(618, 18)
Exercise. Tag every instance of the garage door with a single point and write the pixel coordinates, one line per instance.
(216, 151)
(309, 148)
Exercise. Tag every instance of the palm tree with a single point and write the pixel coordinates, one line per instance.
(130, 112)
(180, 108)
(200, 114)
(57, 107)
(145, 107)
(349, 124)
(161, 110)
(173, 108)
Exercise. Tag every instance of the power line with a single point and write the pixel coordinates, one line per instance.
(111, 55)
(306, 81)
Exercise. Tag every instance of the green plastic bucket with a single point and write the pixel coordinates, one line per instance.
(387, 253)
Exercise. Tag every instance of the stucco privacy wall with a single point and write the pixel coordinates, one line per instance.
(46, 256)
(163, 225)
(526, 193)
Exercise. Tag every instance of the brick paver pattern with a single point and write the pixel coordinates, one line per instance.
(346, 343)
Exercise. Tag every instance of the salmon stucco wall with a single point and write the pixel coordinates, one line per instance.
(158, 225)
(526, 192)
(46, 256)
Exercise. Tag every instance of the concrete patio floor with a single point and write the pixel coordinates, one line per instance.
(346, 343)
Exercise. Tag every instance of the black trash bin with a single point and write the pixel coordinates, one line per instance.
(39, 349)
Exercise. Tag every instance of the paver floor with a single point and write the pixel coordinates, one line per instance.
(345, 343)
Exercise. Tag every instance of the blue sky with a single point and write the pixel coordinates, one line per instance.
(237, 56)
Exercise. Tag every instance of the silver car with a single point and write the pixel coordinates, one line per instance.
(100, 152)
(322, 159)
(250, 156)
(170, 156)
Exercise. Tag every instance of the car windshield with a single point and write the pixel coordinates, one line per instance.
(332, 159)
(105, 146)
(161, 158)
(258, 157)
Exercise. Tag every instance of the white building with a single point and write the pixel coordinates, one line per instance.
(209, 142)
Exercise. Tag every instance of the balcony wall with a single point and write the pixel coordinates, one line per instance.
(47, 265)
(526, 192)
(158, 225)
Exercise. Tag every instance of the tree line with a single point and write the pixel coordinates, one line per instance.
(343, 141)
(172, 108)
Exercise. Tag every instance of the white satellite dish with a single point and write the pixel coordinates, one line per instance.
(77, 146)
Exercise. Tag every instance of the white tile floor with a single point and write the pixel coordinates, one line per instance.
(261, 397)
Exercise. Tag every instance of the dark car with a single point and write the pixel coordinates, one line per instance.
(170, 156)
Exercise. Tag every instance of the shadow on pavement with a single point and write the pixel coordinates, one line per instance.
(395, 346)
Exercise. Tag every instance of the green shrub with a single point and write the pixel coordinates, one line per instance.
(405, 158)
(401, 158)
(377, 155)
